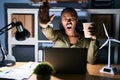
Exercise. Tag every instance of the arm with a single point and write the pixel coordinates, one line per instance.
(49, 33)
(93, 46)
(45, 20)
(92, 51)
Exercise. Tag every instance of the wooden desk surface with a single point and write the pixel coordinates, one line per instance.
(92, 74)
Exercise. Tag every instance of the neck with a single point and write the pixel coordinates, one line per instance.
(73, 39)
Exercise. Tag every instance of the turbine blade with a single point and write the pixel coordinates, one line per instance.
(105, 30)
(104, 44)
(115, 40)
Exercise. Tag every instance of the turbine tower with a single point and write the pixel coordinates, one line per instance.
(108, 68)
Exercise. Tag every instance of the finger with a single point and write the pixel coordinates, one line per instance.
(35, 1)
(46, 3)
(93, 24)
(93, 33)
(93, 37)
(92, 29)
(40, 9)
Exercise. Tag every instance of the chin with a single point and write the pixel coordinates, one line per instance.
(70, 34)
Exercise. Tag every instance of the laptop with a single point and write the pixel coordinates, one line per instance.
(67, 60)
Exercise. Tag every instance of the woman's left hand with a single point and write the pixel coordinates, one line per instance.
(92, 31)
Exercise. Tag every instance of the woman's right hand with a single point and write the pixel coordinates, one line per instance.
(43, 16)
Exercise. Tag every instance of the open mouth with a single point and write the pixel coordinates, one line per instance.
(69, 27)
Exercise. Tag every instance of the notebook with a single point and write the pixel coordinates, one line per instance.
(67, 60)
(21, 73)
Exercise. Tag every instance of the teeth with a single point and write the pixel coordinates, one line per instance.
(68, 27)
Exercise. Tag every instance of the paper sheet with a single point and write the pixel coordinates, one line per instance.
(16, 73)
(20, 73)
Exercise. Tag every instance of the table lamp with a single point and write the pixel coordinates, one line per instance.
(20, 35)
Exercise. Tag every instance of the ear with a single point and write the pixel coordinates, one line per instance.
(77, 20)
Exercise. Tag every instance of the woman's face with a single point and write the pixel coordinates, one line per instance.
(69, 22)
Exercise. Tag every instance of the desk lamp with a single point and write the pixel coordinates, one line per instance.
(108, 69)
(20, 35)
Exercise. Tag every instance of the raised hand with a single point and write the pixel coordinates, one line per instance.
(44, 13)
(44, 18)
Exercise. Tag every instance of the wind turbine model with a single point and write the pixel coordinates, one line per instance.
(108, 68)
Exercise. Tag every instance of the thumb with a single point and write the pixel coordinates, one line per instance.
(52, 17)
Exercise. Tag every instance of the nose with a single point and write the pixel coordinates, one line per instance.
(69, 20)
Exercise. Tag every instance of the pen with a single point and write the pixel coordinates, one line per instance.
(30, 65)
(8, 71)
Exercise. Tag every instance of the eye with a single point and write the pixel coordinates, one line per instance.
(73, 19)
(64, 18)
(68, 19)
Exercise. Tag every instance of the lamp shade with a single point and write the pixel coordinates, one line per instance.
(21, 33)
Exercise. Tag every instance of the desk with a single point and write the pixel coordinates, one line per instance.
(92, 74)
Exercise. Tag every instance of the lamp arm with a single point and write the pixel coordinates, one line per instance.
(4, 52)
(5, 29)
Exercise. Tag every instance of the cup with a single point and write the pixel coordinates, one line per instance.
(86, 27)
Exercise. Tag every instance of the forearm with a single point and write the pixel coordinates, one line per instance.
(49, 33)
(92, 51)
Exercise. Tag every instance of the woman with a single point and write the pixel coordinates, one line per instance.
(69, 36)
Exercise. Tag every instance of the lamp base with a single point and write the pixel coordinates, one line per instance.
(1, 64)
(7, 63)
(109, 70)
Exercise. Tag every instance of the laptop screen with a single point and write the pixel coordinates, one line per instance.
(67, 60)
